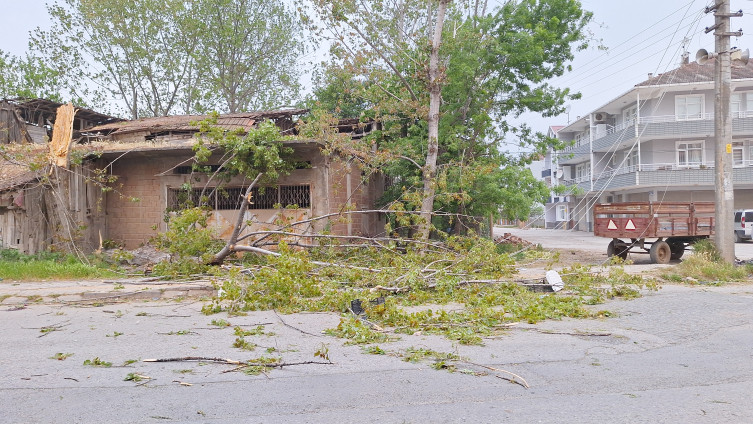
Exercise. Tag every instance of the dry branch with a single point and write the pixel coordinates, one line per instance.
(195, 358)
(515, 377)
(294, 328)
(229, 246)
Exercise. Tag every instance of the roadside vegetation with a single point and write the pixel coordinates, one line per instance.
(705, 266)
(17, 266)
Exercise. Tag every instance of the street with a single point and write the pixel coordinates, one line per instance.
(682, 354)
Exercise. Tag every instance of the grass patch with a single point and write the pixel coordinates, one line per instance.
(47, 266)
(706, 266)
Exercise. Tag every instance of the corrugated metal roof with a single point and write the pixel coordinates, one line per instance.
(244, 121)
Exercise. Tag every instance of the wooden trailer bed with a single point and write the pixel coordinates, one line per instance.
(674, 225)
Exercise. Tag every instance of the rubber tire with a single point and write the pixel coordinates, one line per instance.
(677, 248)
(660, 252)
(738, 239)
(614, 250)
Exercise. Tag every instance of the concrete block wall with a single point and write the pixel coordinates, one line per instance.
(132, 222)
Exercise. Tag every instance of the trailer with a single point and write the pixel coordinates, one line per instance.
(661, 229)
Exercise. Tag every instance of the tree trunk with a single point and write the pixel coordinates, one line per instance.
(230, 246)
(435, 98)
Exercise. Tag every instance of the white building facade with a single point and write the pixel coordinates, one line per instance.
(653, 143)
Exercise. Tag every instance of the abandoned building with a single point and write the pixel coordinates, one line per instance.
(147, 165)
(26, 205)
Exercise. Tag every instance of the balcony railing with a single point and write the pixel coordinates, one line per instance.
(669, 174)
(582, 139)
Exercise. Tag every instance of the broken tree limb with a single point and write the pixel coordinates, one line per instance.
(195, 358)
(239, 364)
(244, 248)
(294, 328)
(515, 377)
(229, 246)
(277, 364)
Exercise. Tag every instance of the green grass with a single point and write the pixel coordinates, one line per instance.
(706, 266)
(47, 266)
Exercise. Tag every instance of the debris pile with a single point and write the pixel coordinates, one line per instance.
(508, 238)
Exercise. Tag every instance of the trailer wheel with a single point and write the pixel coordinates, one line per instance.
(617, 248)
(660, 252)
(677, 248)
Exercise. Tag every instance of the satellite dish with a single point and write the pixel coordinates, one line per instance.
(740, 56)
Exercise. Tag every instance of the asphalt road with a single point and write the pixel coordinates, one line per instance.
(586, 242)
(682, 354)
(679, 355)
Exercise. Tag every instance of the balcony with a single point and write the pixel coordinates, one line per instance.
(667, 126)
(665, 175)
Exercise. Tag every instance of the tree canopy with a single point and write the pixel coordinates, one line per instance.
(494, 65)
(162, 57)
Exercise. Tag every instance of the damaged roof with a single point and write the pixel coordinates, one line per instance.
(13, 174)
(189, 123)
(50, 107)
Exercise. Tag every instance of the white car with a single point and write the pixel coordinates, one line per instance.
(743, 225)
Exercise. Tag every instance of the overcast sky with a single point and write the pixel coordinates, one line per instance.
(642, 36)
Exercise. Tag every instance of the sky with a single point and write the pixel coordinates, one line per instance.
(640, 37)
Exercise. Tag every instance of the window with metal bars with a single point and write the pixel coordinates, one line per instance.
(231, 198)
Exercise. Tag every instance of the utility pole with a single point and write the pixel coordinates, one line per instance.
(724, 195)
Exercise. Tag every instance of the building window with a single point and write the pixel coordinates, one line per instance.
(738, 154)
(748, 104)
(689, 107)
(629, 115)
(562, 214)
(231, 198)
(582, 171)
(189, 169)
(632, 159)
(689, 154)
(736, 105)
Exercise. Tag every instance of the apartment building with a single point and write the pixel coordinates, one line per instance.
(655, 142)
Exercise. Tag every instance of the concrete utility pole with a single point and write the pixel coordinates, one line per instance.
(724, 194)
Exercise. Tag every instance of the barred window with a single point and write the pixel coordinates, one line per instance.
(283, 196)
(231, 198)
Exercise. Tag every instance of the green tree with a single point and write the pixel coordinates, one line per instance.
(161, 57)
(28, 77)
(247, 54)
(492, 66)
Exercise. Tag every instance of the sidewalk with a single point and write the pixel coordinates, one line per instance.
(111, 290)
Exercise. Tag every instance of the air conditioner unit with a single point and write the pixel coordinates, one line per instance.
(601, 117)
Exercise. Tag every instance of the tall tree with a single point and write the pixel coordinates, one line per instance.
(491, 66)
(139, 51)
(28, 77)
(247, 54)
(161, 57)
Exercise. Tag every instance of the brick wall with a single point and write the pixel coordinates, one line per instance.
(143, 175)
